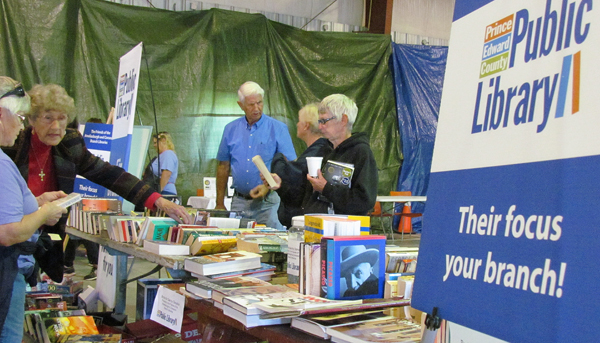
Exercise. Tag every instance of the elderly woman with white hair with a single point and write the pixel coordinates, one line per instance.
(21, 213)
(337, 114)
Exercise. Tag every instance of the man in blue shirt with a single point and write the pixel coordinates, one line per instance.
(248, 136)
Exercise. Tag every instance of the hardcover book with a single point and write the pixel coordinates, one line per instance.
(298, 304)
(246, 303)
(352, 267)
(222, 263)
(219, 295)
(204, 286)
(319, 226)
(262, 243)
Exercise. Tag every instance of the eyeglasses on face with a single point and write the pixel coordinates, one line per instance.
(325, 120)
(17, 91)
(49, 119)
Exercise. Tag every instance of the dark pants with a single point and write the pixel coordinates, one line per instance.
(90, 247)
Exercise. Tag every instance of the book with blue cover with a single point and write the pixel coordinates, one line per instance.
(352, 267)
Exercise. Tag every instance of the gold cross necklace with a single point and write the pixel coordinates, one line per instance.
(41, 174)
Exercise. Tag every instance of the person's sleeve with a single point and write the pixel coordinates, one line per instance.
(105, 174)
(284, 142)
(150, 202)
(361, 197)
(11, 203)
(223, 153)
(169, 162)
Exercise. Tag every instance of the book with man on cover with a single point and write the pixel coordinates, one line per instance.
(222, 263)
(353, 267)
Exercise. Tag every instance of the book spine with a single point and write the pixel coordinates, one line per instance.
(324, 269)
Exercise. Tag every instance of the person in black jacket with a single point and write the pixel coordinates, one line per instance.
(293, 173)
(337, 114)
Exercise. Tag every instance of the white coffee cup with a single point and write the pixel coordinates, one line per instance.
(314, 164)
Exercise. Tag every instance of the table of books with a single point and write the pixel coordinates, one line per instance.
(121, 251)
(217, 327)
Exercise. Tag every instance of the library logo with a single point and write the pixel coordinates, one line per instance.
(518, 39)
(496, 46)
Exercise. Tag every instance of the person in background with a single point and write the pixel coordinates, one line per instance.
(20, 216)
(92, 249)
(337, 114)
(49, 156)
(293, 173)
(169, 164)
(251, 135)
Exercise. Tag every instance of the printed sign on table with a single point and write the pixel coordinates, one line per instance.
(510, 244)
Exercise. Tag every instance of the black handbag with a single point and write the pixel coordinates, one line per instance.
(149, 178)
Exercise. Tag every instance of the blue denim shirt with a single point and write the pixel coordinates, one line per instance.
(241, 142)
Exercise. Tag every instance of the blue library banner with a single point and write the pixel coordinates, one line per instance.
(509, 244)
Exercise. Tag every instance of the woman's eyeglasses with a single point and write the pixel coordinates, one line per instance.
(17, 91)
(325, 120)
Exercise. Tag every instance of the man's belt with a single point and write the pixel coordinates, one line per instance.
(241, 195)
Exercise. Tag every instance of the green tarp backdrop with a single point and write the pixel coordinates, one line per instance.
(197, 60)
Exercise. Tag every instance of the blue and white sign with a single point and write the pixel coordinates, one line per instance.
(127, 87)
(98, 140)
(509, 244)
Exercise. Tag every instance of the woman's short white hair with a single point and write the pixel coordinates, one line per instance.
(338, 105)
(249, 88)
(15, 104)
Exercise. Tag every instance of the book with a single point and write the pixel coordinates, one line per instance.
(69, 200)
(338, 173)
(250, 321)
(298, 304)
(317, 325)
(319, 226)
(386, 329)
(222, 263)
(354, 267)
(65, 289)
(260, 164)
(57, 326)
(166, 248)
(157, 228)
(206, 245)
(262, 243)
(245, 303)
(204, 286)
(107, 337)
(219, 295)
(396, 260)
(265, 269)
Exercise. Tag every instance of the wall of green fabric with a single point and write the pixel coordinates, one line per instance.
(197, 60)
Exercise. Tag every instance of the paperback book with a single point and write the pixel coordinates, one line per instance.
(299, 304)
(219, 295)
